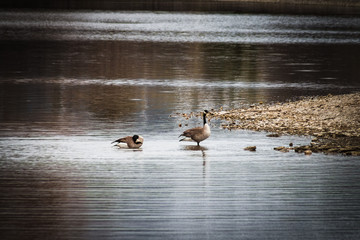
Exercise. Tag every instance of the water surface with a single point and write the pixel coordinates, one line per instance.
(72, 82)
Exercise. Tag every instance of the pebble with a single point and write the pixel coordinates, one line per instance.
(325, 117)
(282, 149)
(308, 152)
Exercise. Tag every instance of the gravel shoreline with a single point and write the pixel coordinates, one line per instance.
(334, 121)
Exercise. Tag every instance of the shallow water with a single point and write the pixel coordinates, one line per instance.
(72, 82)
(80, 187)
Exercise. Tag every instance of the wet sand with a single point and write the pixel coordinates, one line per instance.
(333, 121)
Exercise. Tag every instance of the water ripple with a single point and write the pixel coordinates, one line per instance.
(179, 27)
(181, 83)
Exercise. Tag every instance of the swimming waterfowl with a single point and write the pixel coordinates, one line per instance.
(197, 134)
(135, 141)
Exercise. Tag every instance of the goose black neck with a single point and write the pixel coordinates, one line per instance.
(204, 118)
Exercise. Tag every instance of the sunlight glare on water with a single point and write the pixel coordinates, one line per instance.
(181, 27)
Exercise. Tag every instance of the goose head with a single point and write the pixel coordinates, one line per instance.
(138, 139)
(204, 114)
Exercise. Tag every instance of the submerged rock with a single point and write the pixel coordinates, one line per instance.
(250, 148)
(273, 135)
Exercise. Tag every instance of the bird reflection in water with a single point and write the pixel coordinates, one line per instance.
(197, 148)
(126, 148)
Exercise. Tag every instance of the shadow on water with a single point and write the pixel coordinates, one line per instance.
(195, 148)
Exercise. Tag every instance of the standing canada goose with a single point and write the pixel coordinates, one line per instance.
(198, 134)
(135, 141)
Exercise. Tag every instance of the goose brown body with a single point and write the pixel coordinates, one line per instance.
(135, 141)
(198, 134)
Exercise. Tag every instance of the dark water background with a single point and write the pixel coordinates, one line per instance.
(72, 82)
(229, 6)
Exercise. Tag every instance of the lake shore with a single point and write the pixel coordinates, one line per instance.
(333, 121)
